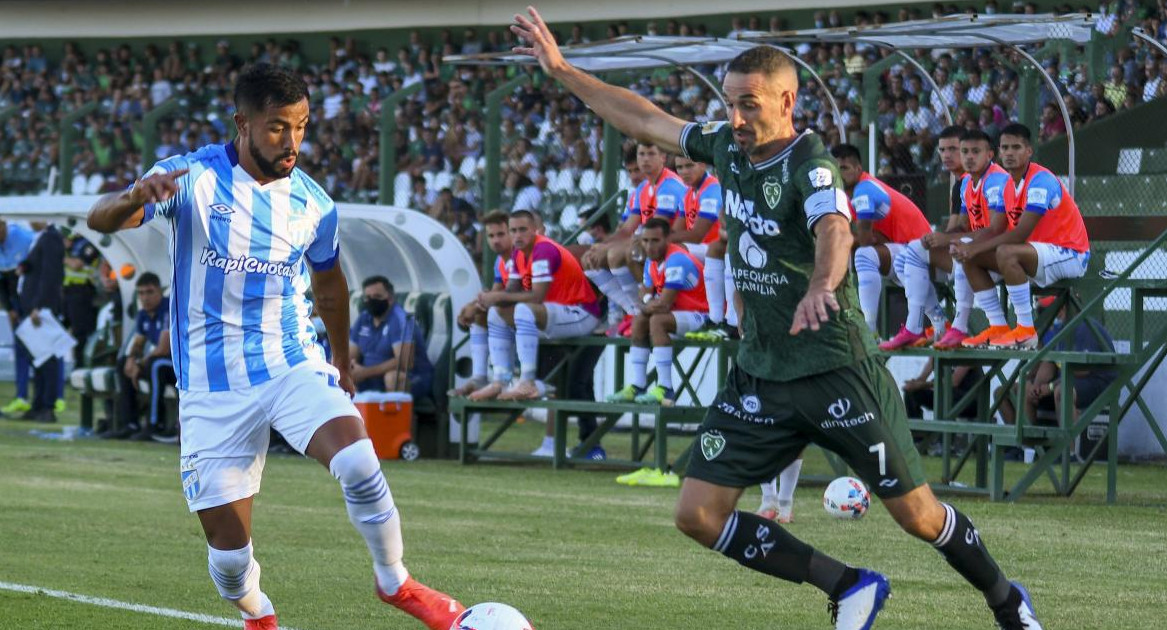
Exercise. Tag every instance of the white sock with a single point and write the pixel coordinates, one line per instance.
(662, 356)
(917, 285)
(770, 492)
(500, 340)
(933, 310)
(371, 510)
(714, 275)
(236, 576)
(610, 286)
(526, 341)
(788, 481)
(990, 303)
(1022, 303)
(630, 288)
(731, 315)
(548, 442)
(639, 357)
(964, 297)
(479, 351)
(870, 284)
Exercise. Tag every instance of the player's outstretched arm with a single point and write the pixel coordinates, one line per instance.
(629, 112)
(123, 210)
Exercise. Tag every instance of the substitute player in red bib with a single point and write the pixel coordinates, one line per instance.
(887, 221)
(548, 296)
(473, 317)
(1048, 241)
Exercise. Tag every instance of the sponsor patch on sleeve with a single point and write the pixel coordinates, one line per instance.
(821, 177)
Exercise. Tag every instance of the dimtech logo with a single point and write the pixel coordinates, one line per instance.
(839, 408)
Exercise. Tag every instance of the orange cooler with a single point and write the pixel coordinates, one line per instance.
(389, 422)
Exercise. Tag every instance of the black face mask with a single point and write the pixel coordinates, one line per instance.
(376, 308)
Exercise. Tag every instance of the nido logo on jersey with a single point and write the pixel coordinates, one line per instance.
(247, 264)
(743, 210)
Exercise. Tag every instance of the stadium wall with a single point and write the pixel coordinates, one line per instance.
(1097, 145)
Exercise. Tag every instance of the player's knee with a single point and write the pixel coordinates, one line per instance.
(494, 316)
(234, 571)
(699, 523)
(355, 463)
(917, 249)
(866, 259)
(524, 314)
(1006, 256)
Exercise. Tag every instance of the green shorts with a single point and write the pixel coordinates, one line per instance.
(755, 428)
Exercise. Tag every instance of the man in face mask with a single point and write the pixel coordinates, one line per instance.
(387, 347)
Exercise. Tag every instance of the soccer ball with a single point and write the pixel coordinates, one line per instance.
(846, 498)
(491, 616)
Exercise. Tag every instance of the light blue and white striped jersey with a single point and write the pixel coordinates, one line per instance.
(241, 252)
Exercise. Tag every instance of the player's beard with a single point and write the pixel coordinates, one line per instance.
(269, 167)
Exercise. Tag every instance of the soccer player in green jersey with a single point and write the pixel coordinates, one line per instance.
(805, 370)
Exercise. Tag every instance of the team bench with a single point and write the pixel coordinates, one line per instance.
(658, 420)
(1146, 330)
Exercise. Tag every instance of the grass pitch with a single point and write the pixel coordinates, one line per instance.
(571, 549)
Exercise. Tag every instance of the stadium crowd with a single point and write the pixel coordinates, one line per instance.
(545, 131)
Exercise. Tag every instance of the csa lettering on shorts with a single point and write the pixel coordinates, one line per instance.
(712, 444)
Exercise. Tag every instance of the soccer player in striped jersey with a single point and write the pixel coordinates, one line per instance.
(473, 316)
(250, 234)
(886, 220)
(1047, 243)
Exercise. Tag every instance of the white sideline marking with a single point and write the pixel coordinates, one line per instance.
(113, 603)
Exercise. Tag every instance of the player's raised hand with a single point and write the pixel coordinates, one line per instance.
(814, 309)
(158, 187)
(536, 40)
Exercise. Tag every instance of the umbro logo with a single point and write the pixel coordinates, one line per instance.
(221, 212)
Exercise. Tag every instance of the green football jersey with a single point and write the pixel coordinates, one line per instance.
(770, 211)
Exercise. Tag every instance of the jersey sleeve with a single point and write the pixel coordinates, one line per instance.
(634, 201)
(1043, 194)
(680, 272)
(699, 141)
(169, 209)
(965, 182)
(648, 276)
(545, 261)
(871, 202)
(670, 199)
(325, 249)
(821, 190)
(997, 186)
(709, 205)
(498, 265)
(140, 323)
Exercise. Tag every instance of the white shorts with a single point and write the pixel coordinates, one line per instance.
(698, 250)
(688, 321)
(568, 321)
(225, 434)
(1058, 263)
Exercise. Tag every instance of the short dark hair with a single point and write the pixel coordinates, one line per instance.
(523, 214)
(381, 280)
(630, 156)
(975, 135)
(604, 221)
(265, 85)
(1018, 130)
(149, 279)
(846, 152)
(495, 218)
(648, 143)
(952, 131)
(658, 223)
(761, 59)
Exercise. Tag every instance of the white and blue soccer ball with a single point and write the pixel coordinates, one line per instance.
(846, 498)
(491, 616)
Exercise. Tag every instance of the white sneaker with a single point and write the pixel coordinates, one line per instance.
(544, 451)
(858, 606)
